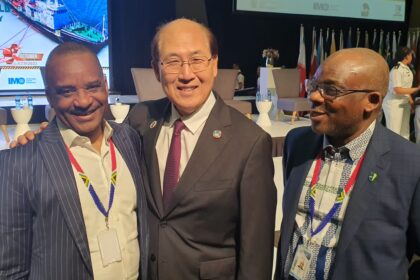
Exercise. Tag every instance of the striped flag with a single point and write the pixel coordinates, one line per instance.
(314, 62)
(302, 62)
(333, 48)
(399, 38)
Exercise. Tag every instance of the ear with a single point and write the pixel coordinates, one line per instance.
(155, 66)
(374, 101)
(215, 61)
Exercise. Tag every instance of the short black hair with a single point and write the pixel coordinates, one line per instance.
(65, 49)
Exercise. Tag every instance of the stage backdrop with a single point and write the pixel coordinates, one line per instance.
(30, 29)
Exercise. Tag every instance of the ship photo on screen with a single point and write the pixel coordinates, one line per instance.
(32, 28)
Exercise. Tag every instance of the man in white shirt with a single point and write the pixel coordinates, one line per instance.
(240, 79)
(72, 202)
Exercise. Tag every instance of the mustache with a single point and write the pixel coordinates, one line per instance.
(83, 112)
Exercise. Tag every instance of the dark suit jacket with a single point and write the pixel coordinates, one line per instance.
(220, 224)
(382, 221)
(42, 232)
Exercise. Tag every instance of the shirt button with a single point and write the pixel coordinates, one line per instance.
(152, 257)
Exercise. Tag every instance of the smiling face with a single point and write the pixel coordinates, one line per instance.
(78, 92)
(346, 117)
(182, 40)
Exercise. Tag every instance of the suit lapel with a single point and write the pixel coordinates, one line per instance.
(205, 152)
(364, 190)
(61, 175)
(294, 189)
(150, 135)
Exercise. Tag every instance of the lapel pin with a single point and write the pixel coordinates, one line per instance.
(373, 176)
(153, 124)
(217, 134)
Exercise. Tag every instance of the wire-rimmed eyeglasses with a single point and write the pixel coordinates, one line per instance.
(174, 65)
(330, 92)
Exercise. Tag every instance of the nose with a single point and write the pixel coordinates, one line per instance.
(83, 99)
(315, 98)
(186, 73)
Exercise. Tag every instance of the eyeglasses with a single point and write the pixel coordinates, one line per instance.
(330, 92)
(196, 63)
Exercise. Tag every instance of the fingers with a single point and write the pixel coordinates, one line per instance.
(13, 144)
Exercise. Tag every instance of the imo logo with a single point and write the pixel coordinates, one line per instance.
(16, 81)
(318, 6)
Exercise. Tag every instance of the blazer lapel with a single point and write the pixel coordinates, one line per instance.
(61, 174)
(364, 190)
(205, 152)
(150, 135)
(293, 191)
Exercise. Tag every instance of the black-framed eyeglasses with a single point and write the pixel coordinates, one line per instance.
(196, 63)
(330, 92)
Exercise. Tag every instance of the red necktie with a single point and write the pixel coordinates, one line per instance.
(171, 176)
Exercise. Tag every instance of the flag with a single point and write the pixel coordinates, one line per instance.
(349, 45)
(375, 47)
(341, 46)
(332, 47)
(327, 43)
(381, 43)
(314, 62)
(357, 37)
(302, 62)
(394, 44)
(399, 38)
(366, 39)
(320, 54)
(387, 54)
(408, 39)
(414, 41)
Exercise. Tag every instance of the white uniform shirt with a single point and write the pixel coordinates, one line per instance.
(122, 216)
(399, 77)
(189, 136)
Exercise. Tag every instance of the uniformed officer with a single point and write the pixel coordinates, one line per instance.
(398, 101)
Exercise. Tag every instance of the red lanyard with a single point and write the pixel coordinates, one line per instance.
(88, 184)
(340, 196)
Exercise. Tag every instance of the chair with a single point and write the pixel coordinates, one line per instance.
(3, 124)
(224, 86)
(146, 84)
(287, 82)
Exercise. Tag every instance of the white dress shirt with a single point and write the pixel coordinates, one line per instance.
(122, 216)
(194, 124)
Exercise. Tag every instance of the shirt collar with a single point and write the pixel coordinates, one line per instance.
(194, 121)
(404, 65)
(72, 138)
(358, 145)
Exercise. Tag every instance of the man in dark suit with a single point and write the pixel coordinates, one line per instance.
(217, 221)
(352, 187)
(72, 202)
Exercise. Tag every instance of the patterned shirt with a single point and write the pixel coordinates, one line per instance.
(335, 171)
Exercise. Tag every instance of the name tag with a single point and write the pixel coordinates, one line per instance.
(109, 247)
(301, 262)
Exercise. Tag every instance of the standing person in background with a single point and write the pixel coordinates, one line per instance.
(398, 103)
(240, 79)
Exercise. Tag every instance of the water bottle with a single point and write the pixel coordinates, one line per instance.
(17, 102)
(30, 102)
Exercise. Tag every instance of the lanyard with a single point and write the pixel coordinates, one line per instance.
(340, 196)
(88, 184)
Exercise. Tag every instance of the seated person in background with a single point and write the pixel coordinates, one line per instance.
(240, 79)
(72, 202)
(352, 187)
